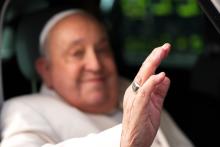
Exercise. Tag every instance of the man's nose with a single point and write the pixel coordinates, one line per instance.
(93, 61)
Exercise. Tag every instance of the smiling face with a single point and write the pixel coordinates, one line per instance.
(80, 67)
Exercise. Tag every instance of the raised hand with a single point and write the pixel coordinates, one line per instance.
(143, 101)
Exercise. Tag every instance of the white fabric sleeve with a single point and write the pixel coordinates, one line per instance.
(173, 133)
(108, 138)
(27, 128)
(21, 127)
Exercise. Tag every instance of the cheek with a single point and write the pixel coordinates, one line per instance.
(110, 66)
(112, 76)
(66, 78)
(65, 84)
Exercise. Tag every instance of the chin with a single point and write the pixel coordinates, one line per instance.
(100, 105)
(97, 100)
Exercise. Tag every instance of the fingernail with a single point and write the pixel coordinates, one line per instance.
(160, 76)
(166, 45)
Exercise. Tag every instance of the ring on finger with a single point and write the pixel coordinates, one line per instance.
(135, 86)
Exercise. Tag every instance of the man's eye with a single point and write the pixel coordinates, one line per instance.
(78, 54)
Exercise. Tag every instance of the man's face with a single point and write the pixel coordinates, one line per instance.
(81, 67)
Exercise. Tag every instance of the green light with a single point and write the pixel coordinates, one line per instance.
(181, 43)
(196, 43)
(135, 44)
(189, 9)
(163, 8)
(134, 8)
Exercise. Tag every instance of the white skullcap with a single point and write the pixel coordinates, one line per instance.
(50, 23)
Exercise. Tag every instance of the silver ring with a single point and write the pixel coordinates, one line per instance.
(135, 86)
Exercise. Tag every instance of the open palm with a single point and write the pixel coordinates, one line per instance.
(142, 108)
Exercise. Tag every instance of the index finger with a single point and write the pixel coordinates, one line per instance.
(151, 63)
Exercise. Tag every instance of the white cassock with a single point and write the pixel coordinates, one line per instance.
(45, 120)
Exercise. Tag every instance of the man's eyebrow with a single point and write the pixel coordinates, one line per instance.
(75, 42)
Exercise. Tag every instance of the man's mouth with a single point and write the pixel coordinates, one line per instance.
(94, 80)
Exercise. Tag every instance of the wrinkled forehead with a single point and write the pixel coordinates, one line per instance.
(72, 17)
(75, 27)
(78, 19)
(50, 24)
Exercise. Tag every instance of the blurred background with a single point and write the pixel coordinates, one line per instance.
(135, 28)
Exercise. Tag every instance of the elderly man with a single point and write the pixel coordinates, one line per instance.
(79, 101)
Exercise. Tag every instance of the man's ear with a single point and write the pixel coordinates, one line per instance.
(43, 69)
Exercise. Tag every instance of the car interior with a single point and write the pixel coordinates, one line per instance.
(135, 28)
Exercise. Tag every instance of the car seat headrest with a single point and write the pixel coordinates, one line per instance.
(27, 42)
